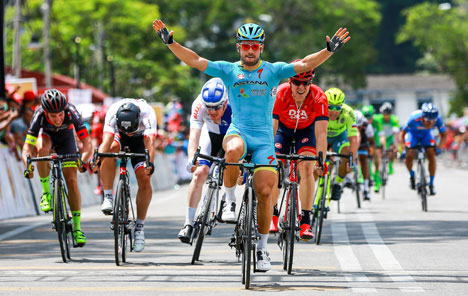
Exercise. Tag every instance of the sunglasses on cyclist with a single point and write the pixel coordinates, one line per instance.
(247, 46)
(214, 108)
(299, 82)
(334, 107)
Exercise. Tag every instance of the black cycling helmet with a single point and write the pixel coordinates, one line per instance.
(128, 117)
(53, 101)
(386, 108)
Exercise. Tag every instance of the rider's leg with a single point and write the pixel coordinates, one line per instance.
(74, 200)
(264, 180)
(307, 188)
(108, 165)
(195, 191)
(234, 148)
(431, 157)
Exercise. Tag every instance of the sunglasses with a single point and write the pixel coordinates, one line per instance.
(334, 107)
(247, 46)
(214, 108)
(299, 82)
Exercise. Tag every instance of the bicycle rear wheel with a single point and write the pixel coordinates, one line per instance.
(60, 220)
(321, 211)
(384, 177)
(120, 219)
(203, 220)
(292, 221)
(247, 237)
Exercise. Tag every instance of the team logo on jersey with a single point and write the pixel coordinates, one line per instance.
(258, 92)
(305, 140)
(249, 82)
(342, 120)
(278, 145)
(273, 91)
(302, 114)
(244, 94)
(126, 124)
(241, 76)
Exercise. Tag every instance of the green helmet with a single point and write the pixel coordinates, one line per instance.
(368, 111)
(335, 96)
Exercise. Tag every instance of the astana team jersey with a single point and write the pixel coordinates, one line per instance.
(252, 96)
(251, 93)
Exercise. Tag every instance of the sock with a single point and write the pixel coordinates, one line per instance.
(262, 242)
(411, 173)
(45, 184)
(190, 215)
(431, 180)
(305, 217)
(76, 217)
(276, 211)
(230, 194)
(339, 179)
(366, 185)
(139, 225)
(108, 193)
(390, 164)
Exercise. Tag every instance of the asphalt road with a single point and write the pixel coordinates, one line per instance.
(388, 247)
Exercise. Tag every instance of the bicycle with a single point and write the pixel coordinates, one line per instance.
(245, 232)
(322, 195)
(62, 220)
(357, 187)
(384, 172)
(421, 184)
(291, 219)
(123, 214)
(207, 216)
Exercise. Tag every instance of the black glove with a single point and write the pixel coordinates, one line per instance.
(334, 44)
(151, 165)
(165, 37)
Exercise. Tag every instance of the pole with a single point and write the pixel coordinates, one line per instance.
(2, 51)
(77, 41)
(17, 42)
(46, 6)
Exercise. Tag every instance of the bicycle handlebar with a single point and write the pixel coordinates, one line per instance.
(348, 156)
(121, 155)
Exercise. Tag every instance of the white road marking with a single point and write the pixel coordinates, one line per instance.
(348, 261)
(22, 229)
(385, 257)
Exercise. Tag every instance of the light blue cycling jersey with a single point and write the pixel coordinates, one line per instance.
(252, 95)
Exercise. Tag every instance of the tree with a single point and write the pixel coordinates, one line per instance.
(443, 35)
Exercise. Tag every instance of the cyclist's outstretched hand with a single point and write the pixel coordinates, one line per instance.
(338, 40)
(163, 33)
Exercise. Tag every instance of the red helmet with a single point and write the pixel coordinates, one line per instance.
(308, 75)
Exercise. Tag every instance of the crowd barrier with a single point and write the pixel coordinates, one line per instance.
(20, 197)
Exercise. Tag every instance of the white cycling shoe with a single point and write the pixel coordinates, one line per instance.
(229, 212)
(263, 261)
(107, 206)
(139, 244)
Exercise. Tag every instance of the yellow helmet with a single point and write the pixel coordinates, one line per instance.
(335, 96)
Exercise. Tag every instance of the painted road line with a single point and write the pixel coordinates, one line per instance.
(22, 229)
(348, 261)
(385, 257)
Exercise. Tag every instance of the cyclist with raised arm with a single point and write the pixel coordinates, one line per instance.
(252, 85)
(52, 128)
(210, 119)
(366, 141)
(130, 123)
(300, 113)
(391, 128)
(342, 135)
(418, 131)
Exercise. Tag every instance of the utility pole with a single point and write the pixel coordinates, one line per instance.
(46, 7)
(17, 42)
(77, 41)
(2, 51)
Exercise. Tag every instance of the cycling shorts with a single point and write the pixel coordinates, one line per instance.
(136, 145)
(424, 138)
(259, 143)
(63, 142)
(339, 142)
(305, 139)
(210, 144)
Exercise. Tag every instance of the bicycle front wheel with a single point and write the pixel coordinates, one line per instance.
(321, 210)
(60, 221)
(291, 232)
(422, 187)
(247, 238)
(358, 189)
(204, 220)
(119, 221)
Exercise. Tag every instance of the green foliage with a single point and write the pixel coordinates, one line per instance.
(144, 67)
(443, 34)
